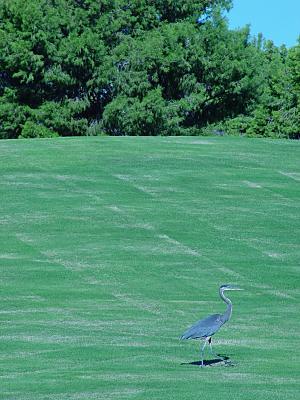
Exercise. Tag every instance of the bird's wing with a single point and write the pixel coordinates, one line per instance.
(204, 328)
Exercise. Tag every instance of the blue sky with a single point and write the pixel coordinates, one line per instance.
(278, 20)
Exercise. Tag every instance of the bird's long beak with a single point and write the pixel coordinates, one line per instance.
(235, 288)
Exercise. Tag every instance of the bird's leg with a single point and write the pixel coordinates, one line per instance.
(212, 352)
(202, 353)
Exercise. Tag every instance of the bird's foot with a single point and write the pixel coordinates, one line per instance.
(226, 360)
(229, 363)
(218, 356)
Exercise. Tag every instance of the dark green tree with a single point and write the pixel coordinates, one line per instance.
(140, 67)
(204, 74)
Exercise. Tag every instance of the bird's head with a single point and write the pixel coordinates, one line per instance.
(229, 287)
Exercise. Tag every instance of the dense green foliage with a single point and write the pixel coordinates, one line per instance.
(140, 67)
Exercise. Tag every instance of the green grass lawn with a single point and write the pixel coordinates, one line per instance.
(112, 247)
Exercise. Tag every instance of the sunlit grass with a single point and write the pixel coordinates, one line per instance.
(112, 247)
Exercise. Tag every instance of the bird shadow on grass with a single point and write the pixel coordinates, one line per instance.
(211, 363)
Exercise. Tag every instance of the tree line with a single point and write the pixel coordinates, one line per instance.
(141, 67)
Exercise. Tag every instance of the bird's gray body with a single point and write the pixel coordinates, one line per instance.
(205, 328)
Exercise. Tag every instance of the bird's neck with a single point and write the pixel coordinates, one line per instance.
(226, 316)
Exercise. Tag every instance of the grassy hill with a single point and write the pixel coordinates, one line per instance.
(112, 247)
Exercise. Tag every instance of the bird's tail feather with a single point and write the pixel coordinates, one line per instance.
(185, 336)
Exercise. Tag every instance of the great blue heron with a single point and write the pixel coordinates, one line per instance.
(207, 327)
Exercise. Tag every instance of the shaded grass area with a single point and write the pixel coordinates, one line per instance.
(112, 247)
